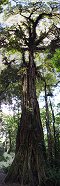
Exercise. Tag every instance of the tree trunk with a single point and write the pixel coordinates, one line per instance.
(28, 166)
(54, 131)
(10, 142)
(49, 139)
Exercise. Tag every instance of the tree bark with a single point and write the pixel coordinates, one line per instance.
(54, 131)
(28, 166)
(49, 139)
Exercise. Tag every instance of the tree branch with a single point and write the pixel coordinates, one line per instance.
(40, 17)
(43, 36)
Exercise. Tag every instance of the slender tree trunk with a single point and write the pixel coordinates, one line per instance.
(29, 164)
(54, 131)
(10, 142)
(6, 142)
(50, 156)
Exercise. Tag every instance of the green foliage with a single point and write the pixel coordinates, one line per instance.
(11, 122)
(39, 86)
(6, 160)
(8, 129)
(2, 158)
(10, 83)
(11, 125)
(50, 79)
(45, 72)
(56, 59)
(2, 2)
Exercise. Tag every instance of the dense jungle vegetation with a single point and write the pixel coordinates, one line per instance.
(29, 92)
